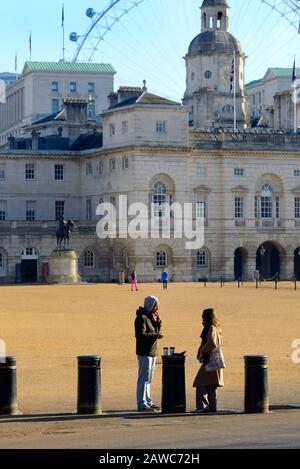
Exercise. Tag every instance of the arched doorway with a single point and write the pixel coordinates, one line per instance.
(268, 261)
(240, 263)
(297, 264)
(29, 265)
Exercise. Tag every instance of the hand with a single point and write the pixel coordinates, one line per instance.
(160, 335)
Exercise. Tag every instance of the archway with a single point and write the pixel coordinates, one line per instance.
(240, 263)
(297, 264)
(268, 261)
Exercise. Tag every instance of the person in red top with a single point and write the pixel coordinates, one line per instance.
(134, 281)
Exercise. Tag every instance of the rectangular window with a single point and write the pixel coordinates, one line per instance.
(239, 208)
(266, 208)
(59, 210)
(30, 210)
(59, 172)
(3, 210)
(161, 127)
(55, 106)
(112, 130)
(89, 169)
(201, 208)
(125, 163)
(55, 87)
(256, 209)
(89, 213)
(2, 171)
(277, 208)
(73, 87)
(113, 164)
(91, 87)
(30, 172)
(239, 172)
(297, 173)
(297, 208)
(201, 259)
(124, 127)
(201, 172)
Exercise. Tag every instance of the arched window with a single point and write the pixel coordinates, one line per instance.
(219, 20)
(211, 22)
(266, 202)
(1, 261)
(204, 20)
(162, 259)
(159, 199)
(89, 259)
(201, 259)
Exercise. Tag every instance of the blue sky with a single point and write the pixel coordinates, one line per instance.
(150, 43)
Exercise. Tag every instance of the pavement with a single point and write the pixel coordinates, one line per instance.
(226, 430)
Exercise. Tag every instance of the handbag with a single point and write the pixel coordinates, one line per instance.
(216, 360)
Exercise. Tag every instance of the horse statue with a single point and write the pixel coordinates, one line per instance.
(63, 234)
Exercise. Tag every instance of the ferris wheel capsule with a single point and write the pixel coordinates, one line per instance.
(74, 37)
(90, 12)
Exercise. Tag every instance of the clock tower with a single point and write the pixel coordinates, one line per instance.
(209, 65)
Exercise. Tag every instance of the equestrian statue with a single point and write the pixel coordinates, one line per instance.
(63, 234)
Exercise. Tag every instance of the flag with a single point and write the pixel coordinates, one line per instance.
(232, 76)
(16, 62)
(63, 16)
(294, 77)
(30, 44)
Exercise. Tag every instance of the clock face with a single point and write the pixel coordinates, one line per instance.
(225, 74)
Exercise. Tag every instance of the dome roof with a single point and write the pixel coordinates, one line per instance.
(215, 41)
(215, 3)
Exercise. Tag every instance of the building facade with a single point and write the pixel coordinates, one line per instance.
(244, 186)
(261, 94)
(43, 87)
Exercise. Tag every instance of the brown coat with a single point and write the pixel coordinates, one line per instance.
(210, 378)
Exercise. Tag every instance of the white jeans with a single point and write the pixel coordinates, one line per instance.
(145, 378)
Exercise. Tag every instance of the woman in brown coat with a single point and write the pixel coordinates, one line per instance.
(207, 382)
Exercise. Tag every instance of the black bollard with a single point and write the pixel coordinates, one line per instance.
(89, 385)
(173, 385)
(256, 384)
(8, 386)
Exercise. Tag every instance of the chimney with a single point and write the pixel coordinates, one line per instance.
(112, 99)
(35, 140)
(76, 111)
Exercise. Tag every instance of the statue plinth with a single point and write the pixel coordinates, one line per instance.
(63, 268)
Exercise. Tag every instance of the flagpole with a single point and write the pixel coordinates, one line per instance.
(16, 66)
(63, 26)
(295, 95)
(234, 90)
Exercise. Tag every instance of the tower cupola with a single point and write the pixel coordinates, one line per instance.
(214, 15)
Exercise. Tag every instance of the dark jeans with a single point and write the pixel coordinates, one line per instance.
(206, 398)
(165, 285)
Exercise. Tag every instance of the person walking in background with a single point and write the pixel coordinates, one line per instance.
(148, 333)
(165, 279)
(207, 382)
(134, 281)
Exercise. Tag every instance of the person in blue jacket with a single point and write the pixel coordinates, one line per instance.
(165, 279)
